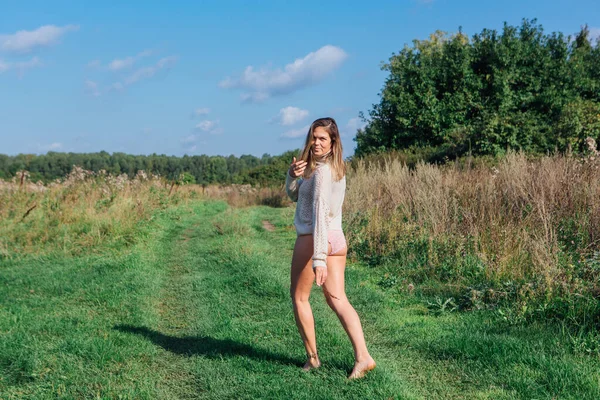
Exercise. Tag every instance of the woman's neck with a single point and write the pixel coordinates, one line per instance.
(322, 158)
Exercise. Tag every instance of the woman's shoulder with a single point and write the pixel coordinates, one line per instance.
(327, 168)
(323, 167)
(323, 170)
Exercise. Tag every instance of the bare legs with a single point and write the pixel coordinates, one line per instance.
(335, 294)
(302, 278)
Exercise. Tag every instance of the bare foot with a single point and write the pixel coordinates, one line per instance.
(361, 368)
(312, 362)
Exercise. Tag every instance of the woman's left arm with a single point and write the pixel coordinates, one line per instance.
(321, 208)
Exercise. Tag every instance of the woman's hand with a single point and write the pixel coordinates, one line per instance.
(297, 168)
(321, 275)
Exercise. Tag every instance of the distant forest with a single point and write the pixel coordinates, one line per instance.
(264, 171)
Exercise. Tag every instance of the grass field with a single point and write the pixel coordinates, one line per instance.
(199, 308)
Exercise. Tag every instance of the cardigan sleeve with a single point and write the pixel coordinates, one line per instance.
(320, 215)
(291, 186)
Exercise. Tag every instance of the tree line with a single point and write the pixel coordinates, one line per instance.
(519, 89)
(202, 169)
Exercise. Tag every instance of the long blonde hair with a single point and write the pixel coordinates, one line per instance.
(334, 159)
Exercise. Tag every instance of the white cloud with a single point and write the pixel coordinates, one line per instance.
(34, 62)
(94, 64)
(21, 66)
(4, 66)
(594, 35)
(209, 126)
(353, 125)
(92, 88)
(290, 115)
(295, 133)
(166, 62)
(43, 148)
(117, 86)
(145, 73)
(190, 143)
(254, 97)
(201, 111)
(118, 64)
(149, 72)
(141, 74)
(206, 125)
(26, 41)
(261, 84)
(189, 139)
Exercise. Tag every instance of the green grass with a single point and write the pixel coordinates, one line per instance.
(200, 309)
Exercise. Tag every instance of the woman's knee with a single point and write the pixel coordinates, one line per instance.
(299, 298)
(337, 304)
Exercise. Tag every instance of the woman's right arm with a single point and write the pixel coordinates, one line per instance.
(292, 184)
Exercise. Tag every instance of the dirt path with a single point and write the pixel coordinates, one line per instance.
(268, 226)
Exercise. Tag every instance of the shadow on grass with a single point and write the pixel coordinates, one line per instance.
(206, 346)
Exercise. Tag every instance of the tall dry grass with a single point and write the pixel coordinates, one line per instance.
(89, 211)
(247, 195)
(81, 212)
(523, 220)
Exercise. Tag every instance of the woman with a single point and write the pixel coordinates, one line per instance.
(320, 249)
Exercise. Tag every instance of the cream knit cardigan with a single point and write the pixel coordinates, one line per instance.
(319, 207)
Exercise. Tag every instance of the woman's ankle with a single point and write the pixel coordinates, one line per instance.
(362, 367)
(312, 361)
(363, 358)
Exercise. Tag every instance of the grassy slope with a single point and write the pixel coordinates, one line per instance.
(201, 310)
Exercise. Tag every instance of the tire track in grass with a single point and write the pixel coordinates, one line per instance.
(183, 316)
(180, 314)
(175, 315)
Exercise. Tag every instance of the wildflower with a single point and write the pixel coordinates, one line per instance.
(592, 147)
(141, 175)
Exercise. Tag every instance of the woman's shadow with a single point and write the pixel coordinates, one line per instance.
(206, 346)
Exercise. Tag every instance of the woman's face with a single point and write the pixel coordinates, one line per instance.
(322, 141)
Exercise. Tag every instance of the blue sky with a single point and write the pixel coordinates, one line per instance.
(216, 77)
